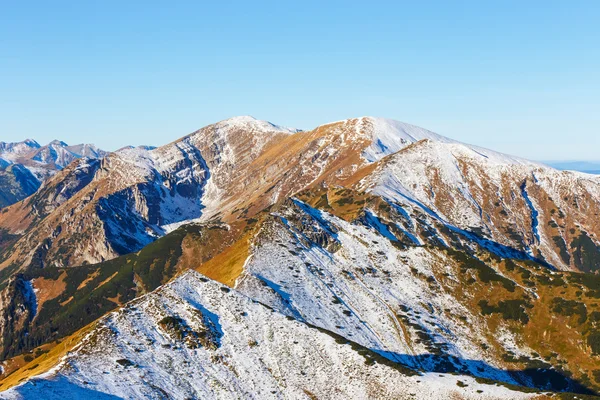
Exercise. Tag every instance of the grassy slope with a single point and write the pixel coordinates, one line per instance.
(90, 291)
(45, 361)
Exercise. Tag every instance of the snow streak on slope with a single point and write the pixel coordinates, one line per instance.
(194, 338)
(534, 212)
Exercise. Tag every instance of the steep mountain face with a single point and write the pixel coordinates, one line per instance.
(25, 165)
(129, 198)
(426, 255)
(549, 214)
(16, 183)
(18, 304)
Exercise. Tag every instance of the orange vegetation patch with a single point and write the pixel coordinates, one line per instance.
(45, 361)
(360, 174)
(115, 299)
(48, 289)
(67, 301)
(342, 202)
(88, 279)
(227, 266)
(108, 279)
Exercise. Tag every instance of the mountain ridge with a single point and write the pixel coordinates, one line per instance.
(436, 255)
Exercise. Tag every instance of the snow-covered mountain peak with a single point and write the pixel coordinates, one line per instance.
(389, 136)
(57, 142)
(11, 150)
(249, 122)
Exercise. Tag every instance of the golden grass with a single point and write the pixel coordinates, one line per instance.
(228, 265)
(87, 280)
(46, 361)
(49, 289)
(344, 203)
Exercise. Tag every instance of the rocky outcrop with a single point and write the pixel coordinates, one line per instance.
(18, 307)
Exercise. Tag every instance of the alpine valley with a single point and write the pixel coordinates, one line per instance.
(366, 259)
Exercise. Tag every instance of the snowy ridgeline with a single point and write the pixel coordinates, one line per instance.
(42, 159)
(195, 338)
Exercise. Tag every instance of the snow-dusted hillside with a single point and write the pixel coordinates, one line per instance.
(519, 204)
(195, 338)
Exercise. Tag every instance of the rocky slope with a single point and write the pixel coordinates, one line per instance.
(361, 269)
(131, 197)
(552, 215)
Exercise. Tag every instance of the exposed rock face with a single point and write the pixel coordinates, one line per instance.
(16, 183)
(18, 305)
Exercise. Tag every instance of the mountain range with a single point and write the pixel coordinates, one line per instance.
(364, 258)
(25, 165)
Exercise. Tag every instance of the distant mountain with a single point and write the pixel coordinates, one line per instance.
(364, 258)
(589, 167)
(25, 165)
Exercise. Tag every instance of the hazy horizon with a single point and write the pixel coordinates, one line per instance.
(557, 163)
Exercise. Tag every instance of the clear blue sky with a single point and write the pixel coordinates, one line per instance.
(517, 76)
